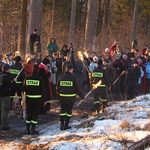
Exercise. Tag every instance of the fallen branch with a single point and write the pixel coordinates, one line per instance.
(140, 145)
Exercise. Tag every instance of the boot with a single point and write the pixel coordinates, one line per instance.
(62, 126)
(27, 128)
(33, 131)
(66, 125)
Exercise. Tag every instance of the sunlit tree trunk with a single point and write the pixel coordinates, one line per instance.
(90, 25)
(35, 19)
(72, 22)
(23, 22)
(105, 32)
(135, 15)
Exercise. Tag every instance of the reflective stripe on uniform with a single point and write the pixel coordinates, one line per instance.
(34, 122)
(67, 95)
(96, 102)
(104, 100)
(33, 82)
(18, 82)
(33, 96)
(97, 74)
(101, 85)
(65, 114)
(11, 96)
(66, 83)
(14, 71)
(27, 121)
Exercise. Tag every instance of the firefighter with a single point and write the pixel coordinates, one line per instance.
(35, 96)
(67, 89)
(100, 92)
(17, 84)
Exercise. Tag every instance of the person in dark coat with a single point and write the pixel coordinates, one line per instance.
(67, 89)
(34, 37)
(4, 98)
(132, 80)
(35, 97)
(45, 73)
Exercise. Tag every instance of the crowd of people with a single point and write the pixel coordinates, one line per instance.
(64, 73)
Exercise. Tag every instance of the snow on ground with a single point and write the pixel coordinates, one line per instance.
(127, 120)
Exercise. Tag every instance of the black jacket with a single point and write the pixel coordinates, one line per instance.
(133, 75)
(36, 86)
(71, 88)
(6, 85)
(99, 74)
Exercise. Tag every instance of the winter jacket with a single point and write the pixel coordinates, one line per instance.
(67, 86)
(6, 85)
(35, 87)
(148, 70)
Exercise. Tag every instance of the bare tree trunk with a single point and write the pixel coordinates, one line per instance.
(35, 19)
(52, 23)
(148, 28)
(21, 43)
(106, 4)
(72, 22)
(135, 19)
(90, 25)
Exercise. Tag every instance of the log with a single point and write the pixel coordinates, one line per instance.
(141, 144)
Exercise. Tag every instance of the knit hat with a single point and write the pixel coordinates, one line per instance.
(46, 61)
(6, 67)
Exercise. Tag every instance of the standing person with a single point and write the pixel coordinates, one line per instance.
(35, 97)
(52, 46)
(45, 73)
(17, 85)
(4, 97)
(1, 63)
(34, 37)
(133, 76)
(100, 93)
(67, 88)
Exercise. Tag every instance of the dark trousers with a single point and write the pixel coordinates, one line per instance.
(100, 94)
(67, 104)
(4, 110)
(147, 86)
(132, 91)
(33, 110)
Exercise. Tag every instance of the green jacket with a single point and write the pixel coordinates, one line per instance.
(52, 47)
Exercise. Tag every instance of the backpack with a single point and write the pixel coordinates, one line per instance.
(1, 81)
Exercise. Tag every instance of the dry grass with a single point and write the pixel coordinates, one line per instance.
(125, 125)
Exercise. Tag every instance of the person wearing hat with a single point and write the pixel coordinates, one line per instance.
(67, 88)
(93, 64)
(17, 70)
(100, 92)
(45, 73)
(35, 97)
(9, 58)
(4, 97)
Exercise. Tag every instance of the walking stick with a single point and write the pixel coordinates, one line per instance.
(23, 104)
(15, 79)
(117, 79)
(93, 88)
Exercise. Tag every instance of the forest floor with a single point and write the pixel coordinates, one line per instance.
(17, 124)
